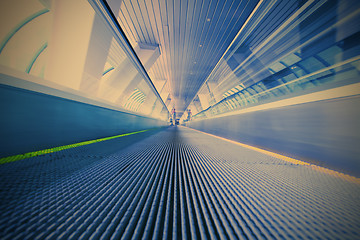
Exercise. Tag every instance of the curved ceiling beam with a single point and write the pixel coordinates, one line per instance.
(19, 26)
(37, 54)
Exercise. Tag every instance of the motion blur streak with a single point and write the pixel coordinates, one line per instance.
(292, 160)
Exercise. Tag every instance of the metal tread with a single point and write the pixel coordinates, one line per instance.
(174, 184)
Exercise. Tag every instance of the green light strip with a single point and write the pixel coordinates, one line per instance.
(56, 149)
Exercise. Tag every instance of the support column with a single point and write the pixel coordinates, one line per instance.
(147, 54)
(204, 100)
(97, 53)
(69, 42)
(151, 102)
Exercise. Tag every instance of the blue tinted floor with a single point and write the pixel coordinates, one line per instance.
(173, 183)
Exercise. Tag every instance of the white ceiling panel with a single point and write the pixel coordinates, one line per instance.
(192, 35)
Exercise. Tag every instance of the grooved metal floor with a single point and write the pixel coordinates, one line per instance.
(173, 184)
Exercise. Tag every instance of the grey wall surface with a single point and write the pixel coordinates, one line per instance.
(33, 121)
(326, 133)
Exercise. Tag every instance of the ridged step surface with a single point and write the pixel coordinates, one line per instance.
(176, 183)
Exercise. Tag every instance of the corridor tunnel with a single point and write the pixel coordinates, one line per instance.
(165, 119)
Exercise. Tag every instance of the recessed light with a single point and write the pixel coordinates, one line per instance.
(208, 19)
(200, 45)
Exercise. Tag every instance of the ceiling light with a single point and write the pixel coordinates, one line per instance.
(200, 45)
(208, 19)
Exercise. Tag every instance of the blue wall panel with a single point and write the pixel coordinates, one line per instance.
(33, 121)
(326, 133)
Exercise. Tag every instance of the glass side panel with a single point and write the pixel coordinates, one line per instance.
(312, 49)
(68, 46)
